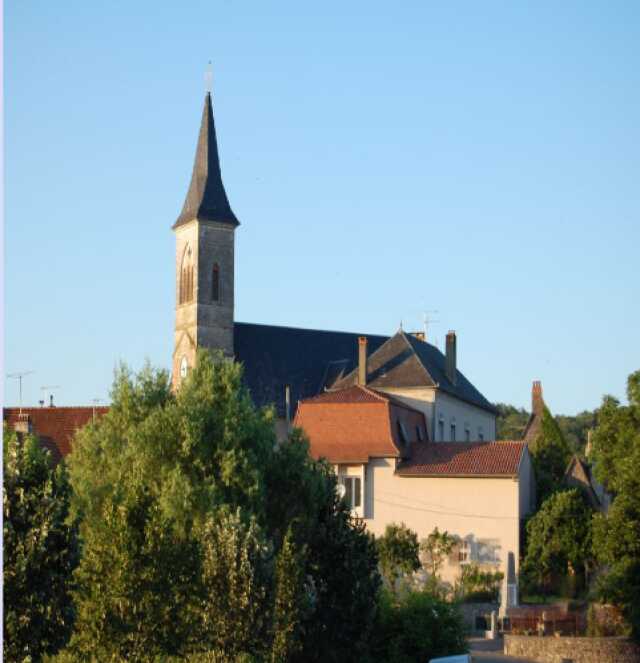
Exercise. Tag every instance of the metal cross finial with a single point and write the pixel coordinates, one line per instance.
(208, 78)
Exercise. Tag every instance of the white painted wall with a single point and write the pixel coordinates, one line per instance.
(435, 404)
(484, 511)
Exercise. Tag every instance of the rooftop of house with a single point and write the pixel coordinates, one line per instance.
(358, 423)
(464, 459)
(55, 426)
(310, 361)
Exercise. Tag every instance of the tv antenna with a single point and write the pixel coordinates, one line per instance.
(428, 319)
(18, 377)
(48, 388)
(95, 402)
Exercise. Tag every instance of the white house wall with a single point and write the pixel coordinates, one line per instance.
(434, 403)
(483, 511)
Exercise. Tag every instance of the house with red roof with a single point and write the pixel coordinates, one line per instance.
(390, 470)
(55, 427)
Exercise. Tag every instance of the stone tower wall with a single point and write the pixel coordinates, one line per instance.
(203, 323)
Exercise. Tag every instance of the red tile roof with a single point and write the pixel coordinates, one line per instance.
(55, 426)
(448, 459)
(355, 424)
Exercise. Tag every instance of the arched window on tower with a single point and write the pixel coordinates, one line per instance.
(215, 283)
(185, 290)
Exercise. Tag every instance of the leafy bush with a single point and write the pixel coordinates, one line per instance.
(417, 627)
(398, 552)
(476, 585)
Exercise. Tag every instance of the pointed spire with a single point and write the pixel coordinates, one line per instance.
(206, 199)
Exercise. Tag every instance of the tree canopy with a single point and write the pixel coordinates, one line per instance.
(616, 454)
(40, 550)
(201, 533)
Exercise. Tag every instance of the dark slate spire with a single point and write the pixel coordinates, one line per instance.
(206, 199)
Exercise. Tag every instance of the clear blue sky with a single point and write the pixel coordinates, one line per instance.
(479, 158)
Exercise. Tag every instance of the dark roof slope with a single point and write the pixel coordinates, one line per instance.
(406, 361)
(206, 199)
(305, 359)
(450, 459)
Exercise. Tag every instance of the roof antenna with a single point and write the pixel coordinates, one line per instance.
(49, 388)
(208, 78)
(18, 377)
(95, 402)
(427, 320)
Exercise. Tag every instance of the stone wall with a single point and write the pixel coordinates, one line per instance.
(572, 650)
(472, 610)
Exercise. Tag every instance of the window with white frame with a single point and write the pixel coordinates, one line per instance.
(467, 433)
(352, 491)
(453, 431)
(464, 552)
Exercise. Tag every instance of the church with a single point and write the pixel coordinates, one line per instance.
(283, 365)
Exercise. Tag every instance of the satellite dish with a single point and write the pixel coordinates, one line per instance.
(341, 490)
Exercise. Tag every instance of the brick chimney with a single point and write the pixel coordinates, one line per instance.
(450, 357)
(537, 402)
(362, 361)
(23, 425)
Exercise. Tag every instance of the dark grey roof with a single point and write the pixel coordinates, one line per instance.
(307, 360)
(206, 199)
(406, 361)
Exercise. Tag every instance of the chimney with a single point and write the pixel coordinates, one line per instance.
(420, 335)
(450, 357)
(23, 425)
(537, 403)
(362, 361)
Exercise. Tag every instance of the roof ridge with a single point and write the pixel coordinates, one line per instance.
(311, 329)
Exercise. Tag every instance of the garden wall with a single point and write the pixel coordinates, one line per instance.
(472, 610)
(574, 650)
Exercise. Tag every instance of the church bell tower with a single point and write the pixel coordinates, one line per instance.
(205, 238)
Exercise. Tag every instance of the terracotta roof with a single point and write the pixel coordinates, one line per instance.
(357, 424)
(55, 426)
(449, 459)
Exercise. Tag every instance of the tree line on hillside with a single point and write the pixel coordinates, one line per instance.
(511, 422)
(178, 529)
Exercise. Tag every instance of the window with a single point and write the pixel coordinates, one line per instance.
(352, 486)
(419, 433)
(464, 552)
(215, 283)
(441, 430)
(453, 432)
(402, 433)
(185, 290)
(467, 434)
(480, 434)
(184, 367)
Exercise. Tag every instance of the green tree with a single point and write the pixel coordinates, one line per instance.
(616, 536)
(558, 541)
(417, 627)
(550, 454)
(40, 551)
(436, 548)
(398, 550)
(185, 501)
(510, 422)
